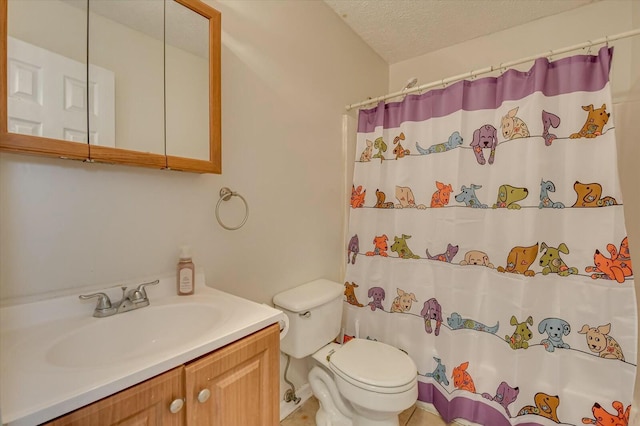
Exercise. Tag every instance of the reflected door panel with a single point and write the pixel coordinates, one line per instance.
(46, 87)
(47, 95)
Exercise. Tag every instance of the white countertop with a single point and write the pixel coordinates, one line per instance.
(33, 390)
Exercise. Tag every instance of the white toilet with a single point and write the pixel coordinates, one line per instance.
(360, 383)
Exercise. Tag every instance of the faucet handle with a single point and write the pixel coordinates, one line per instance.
(141, 288)
(103, 300)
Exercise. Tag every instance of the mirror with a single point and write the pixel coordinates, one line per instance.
(153, 97)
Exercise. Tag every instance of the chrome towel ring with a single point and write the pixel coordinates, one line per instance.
(225, 195)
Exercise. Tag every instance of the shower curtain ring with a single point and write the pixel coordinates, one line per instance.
(225, 195)
(590, 46)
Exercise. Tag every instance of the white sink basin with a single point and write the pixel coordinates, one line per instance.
(56, 357)
(133, 334)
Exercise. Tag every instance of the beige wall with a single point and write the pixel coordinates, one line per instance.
(288, 70)
(612, 17)
(52, 25)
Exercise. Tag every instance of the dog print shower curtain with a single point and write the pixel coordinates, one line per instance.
(487, 240)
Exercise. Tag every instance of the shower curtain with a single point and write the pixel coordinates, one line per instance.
(487, 240)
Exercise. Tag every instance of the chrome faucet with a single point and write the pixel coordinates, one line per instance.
(133, 299)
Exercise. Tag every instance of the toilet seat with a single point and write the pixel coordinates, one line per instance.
(374, 366)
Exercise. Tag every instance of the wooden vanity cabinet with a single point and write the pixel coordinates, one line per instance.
(242, 380)
(236, 385)
(145, 404)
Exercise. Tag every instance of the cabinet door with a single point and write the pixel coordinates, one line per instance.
(146, 404)
(236, 385)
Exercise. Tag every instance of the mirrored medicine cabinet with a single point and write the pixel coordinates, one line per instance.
(125, 82)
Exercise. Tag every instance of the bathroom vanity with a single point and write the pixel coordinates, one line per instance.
(235, 385)
(211, 358)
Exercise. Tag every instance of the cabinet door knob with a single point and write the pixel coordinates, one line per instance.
(203, 395)
(176, 405)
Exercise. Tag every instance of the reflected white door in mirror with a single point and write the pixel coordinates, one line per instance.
(48, 96)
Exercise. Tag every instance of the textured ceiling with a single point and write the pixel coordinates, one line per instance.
(403, 29)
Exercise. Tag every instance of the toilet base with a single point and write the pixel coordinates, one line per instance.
(323, 419)
(334, 410)
(361, 421)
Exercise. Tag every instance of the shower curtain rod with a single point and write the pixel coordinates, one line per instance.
(504, 65)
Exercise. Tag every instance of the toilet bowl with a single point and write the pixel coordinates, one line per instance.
(360, 383)
(371, 383)
(378, 380)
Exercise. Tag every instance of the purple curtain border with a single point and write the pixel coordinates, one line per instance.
(464, 408)
(552, 78)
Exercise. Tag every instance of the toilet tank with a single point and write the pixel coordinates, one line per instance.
(315, 315)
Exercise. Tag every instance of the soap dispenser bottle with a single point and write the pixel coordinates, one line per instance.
(186, 272)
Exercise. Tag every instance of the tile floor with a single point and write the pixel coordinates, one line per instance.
(305, 415)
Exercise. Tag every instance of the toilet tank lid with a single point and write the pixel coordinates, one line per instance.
(309, 295)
